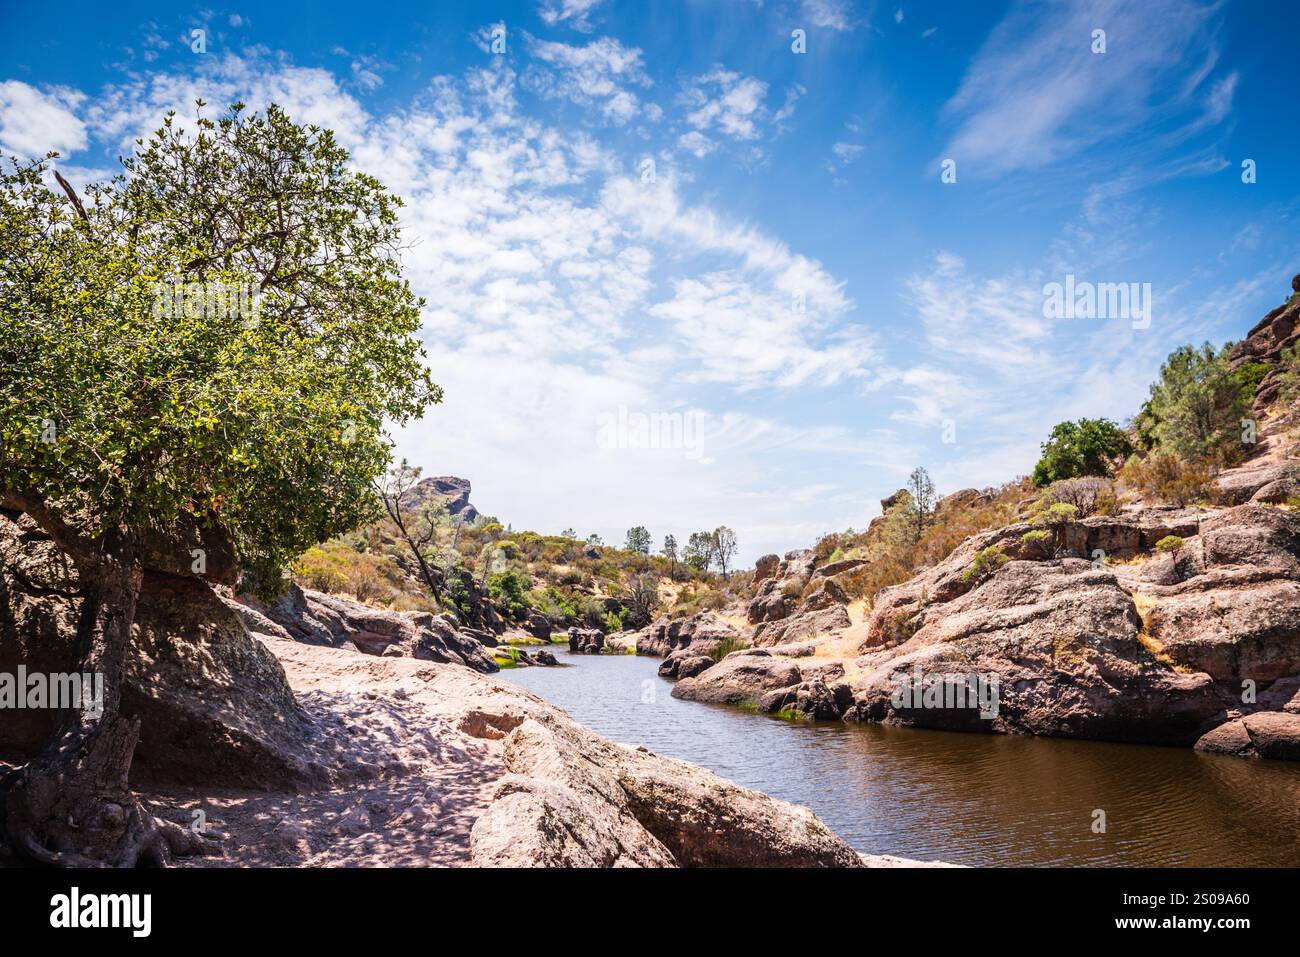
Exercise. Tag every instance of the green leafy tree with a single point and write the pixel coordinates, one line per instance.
(1079, 448)
(638, 540)
(1196, 407)
(128, 417)
(699, 551)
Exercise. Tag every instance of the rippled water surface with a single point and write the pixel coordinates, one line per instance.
(965, 798)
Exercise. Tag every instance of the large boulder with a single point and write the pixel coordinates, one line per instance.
(586, 641)
(573, 799)
(1265, 734)
(702, 633)
(214, 705)
(766, 567)
(685, 663)
(742, 677)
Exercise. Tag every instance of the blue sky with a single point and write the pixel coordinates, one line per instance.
(794, 279)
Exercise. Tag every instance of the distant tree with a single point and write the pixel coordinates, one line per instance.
(638, 540)
(722, 544)
(699, 551)
(921, 490)
(594, 539)
(1083, 447)
(670, 553)
(568, 533)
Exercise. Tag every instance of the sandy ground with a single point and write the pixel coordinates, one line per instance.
(423, 765)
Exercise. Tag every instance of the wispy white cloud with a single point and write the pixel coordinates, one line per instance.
(574, 12)
(599, 74)
(835, 14)
(1037, 93)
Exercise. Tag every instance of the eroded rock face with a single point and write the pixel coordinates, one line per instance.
(1061, 640)
(1266, 342)
(1234, 613)
(702, 633)
(808, 624)
(573, 799)
(895, 609)
(213, 703)
(1152, 651)
(317, 618)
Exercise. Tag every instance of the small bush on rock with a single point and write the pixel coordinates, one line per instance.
(985, 564)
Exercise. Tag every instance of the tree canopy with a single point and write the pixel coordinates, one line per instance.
(1082, 447)
(1196, 406)
(133, 394)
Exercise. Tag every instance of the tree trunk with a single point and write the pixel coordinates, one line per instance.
(71, 804)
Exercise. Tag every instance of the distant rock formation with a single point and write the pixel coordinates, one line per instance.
(445, 491)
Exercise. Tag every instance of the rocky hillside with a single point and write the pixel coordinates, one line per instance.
(1136, 622)
(500, 586)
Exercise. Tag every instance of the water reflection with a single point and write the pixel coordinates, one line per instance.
(966, 798)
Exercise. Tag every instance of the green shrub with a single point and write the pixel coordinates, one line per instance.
(725, 647)
(1085, 447)
(1056, 514)
(1038, 540)
(985, 564)
(509, 590)
(1170, 543)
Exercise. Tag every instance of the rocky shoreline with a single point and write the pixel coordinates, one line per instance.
(1199, 648)
(307, 732)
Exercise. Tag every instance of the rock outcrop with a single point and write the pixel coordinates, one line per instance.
(320, 619)
(586, 641)
(214, 704)
(443, 491)
(573, 799)
(1270, 337)
(702, 633)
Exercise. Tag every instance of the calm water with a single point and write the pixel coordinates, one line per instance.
(965, 798)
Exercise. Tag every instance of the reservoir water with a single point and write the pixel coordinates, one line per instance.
(986, 800)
